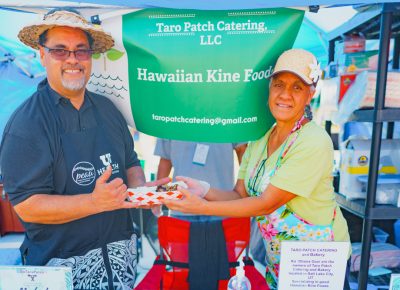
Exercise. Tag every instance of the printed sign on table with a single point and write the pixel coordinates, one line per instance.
(35, 278)
(313, 265)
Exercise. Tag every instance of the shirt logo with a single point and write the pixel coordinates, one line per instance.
(83, 173)
(106, 159)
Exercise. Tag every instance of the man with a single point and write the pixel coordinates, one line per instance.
(210, 162)
(67, 158)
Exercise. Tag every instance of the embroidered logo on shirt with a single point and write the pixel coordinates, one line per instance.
(106, 159)
(83, 173)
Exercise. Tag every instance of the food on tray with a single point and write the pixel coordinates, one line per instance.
(154, 194)
(166, 187)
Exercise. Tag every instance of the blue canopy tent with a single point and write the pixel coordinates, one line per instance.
(228, 4)
(313, 38)
(20, 72)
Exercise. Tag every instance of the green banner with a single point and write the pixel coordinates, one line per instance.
(202, 75)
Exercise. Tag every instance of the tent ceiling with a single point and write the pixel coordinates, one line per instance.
(326, 20)
(328, 24)
(371, 29)
(368, 23)
(229, 4)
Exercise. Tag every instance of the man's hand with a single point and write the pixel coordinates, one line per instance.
(158, 182)
(111, 195)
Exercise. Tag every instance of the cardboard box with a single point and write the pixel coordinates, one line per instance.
(363, 90)
(355, 162)
(392, 97)
(353, 43)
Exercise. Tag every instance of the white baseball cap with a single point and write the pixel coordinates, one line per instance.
(300, 62)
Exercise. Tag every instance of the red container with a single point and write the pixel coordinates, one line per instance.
(9, 221)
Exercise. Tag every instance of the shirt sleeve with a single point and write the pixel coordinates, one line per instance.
(304, 167)
(163, 148)
(131, 158)
(26, 167)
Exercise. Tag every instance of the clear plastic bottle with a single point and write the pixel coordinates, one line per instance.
(239, 282)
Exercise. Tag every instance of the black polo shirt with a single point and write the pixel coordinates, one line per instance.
(31, 157)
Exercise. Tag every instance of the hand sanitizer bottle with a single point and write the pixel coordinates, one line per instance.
(239, 281)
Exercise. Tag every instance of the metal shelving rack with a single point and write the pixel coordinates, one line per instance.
(381, 20)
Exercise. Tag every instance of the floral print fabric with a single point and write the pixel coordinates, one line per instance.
(284, 225)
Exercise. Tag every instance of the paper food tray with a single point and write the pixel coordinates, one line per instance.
(149, 196)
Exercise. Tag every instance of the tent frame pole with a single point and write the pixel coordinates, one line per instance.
(384, 46)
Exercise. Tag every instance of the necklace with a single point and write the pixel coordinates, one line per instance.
(259, 169)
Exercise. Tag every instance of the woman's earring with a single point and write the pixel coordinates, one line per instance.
(307, 112)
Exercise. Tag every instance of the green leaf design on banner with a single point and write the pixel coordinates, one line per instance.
(284, 236)
(96, 55)
(114, 54)
(285, 213)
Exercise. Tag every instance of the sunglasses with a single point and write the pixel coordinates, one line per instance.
(63, 54)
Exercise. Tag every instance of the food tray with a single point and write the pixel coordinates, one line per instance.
(150, 196)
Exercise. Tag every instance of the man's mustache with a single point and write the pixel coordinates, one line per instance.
(78, 66)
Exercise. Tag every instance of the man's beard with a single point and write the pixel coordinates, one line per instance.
(74, 85)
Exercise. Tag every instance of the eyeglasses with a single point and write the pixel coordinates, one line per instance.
(63, 54)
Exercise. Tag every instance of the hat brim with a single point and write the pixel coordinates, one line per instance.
(29, 35)
(302, 77)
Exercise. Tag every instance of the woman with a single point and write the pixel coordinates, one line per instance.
(285, 178)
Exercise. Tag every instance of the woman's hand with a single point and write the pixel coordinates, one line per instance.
(195, 186)
(190, 203)
(156, 209)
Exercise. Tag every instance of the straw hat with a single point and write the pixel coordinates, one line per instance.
(300, 62)
(29, 35)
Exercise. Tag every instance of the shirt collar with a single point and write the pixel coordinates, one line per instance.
(57, 98)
